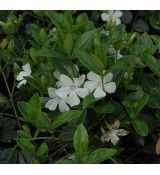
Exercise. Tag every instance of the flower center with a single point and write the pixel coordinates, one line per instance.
(73, 87)
(99, 83)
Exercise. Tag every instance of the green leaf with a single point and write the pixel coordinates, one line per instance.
(32, 110)
(68, 43)
(140, 26)
(91, 63)
(85, 39)
(154, 22)
(81, 140)
(139, 105)
(8, 156)
(59, 21)
(49, 53)
(42, 151)
(65, 117)
(140, 127)
(88, 100)
(152, 63)
(144, 44)
(105, 108)
(26, 145)
(101, 154)
(64, 161)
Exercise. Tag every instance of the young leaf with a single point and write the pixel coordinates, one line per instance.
(105, 108)
(140, 127)
(81, 140)
(88, 100)
(26, 145)
(101, 154)
(91, 63)
(152, 63)
(65, 117)
(85, 39)
(42, 151)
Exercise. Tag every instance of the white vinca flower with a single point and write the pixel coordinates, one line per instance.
(118, 55)
(25, 73)
(112, 133)
(71, 89)
(112, 16)
(55, 101)
(100, 85)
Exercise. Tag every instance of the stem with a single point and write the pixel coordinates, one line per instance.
(10, 95)
(113, 160)
(10, 115)
(43, 138)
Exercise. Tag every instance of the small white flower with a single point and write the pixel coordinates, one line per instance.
(118, 55)
(100, 85)
(25, 73)
(56, 101)
(72, 89)
(112, 133)
(106, 33)
(112, 16)
(52, 30)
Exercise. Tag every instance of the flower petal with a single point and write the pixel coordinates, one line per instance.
(105, 17)
(63, 106)
(65, 81)
(79, 81)
(118, 21)
(111, 12)
(118, 14)
(73, 99)
(110, 87)
(90, 85)
(27, 68)
(21, 75)
(105, 138)
(52, 104)
(119, 55)
(121, 132)
(62, 92)
(52, 92)
(114, 138)
(57, 74)
(107, 78)
(82, 92)
(22, 82)
(93, 77)
(116, 124)
(99, 93)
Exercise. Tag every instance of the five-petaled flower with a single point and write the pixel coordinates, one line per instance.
(100, 85)
(112, 133)
(55, 101)
(72, 89)
(25, 73)
(112, 16)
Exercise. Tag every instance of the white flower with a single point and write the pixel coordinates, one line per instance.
(56, 101)
(72, 89)
(100, 85)
(112, 133)
(57, 76)
(25, 73)
(112, 16)
(106, 33)
(52, 30)
(118, 55)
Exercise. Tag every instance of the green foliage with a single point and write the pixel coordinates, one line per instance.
(74, 43)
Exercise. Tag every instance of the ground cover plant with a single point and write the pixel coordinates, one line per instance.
(79, 87)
